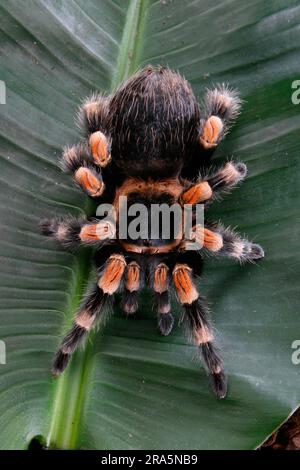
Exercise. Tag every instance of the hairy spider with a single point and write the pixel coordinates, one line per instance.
(150, 142)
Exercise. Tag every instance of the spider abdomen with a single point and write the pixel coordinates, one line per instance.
(154, 123)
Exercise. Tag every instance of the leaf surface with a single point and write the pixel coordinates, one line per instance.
(131, 388)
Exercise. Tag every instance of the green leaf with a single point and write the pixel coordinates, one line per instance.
(131, 388)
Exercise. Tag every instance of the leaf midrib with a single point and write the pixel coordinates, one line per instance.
(70, 389)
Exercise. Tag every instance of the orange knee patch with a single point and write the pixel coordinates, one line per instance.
(213, 241)
(211, 132)
(186, 290)
(89, 181)
(88, 233)
(111, 278)
(161, 280)
(96, 232)
(198, 193)
(132, 282)
(100, 148)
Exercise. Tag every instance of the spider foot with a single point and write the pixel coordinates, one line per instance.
(165, 323)
(130, 302)
(222, 106)
(219, 384)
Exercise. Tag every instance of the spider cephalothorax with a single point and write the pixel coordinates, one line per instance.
(147, 145)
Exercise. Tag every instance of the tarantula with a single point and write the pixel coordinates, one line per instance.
(150, 142)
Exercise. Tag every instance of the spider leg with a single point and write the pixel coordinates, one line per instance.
(225, 242)
(86, 159)
(91, 310)
(72, 232)
(129, 302)
(221, 106)
(161, 286)
(111, 277)
(211, 186)
(87, 175)
(93, 119)
(132, 286)
(93, 114)
(199, 327)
